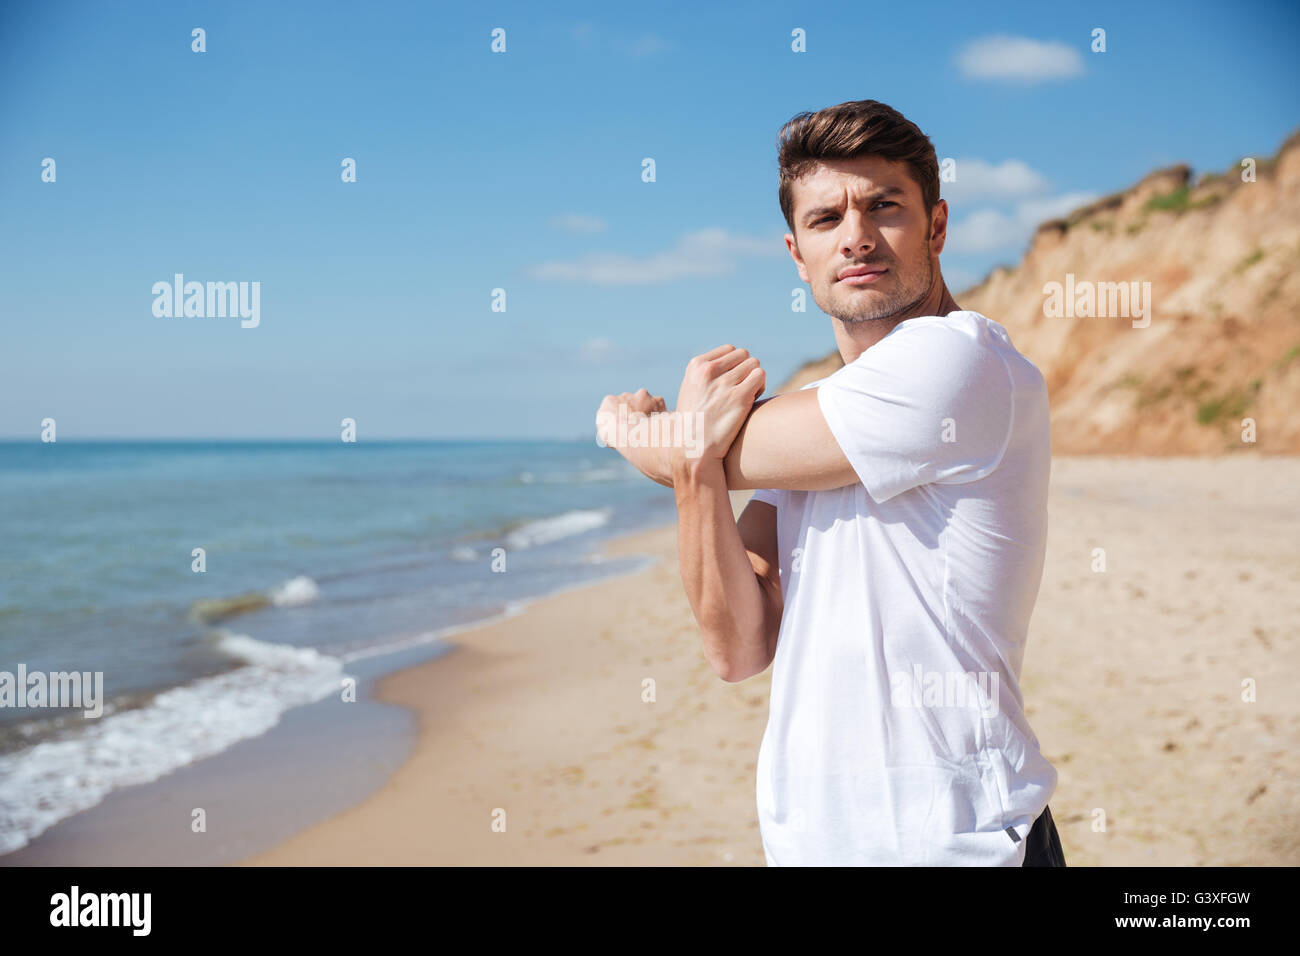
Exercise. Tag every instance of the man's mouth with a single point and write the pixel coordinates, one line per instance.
(861, 275)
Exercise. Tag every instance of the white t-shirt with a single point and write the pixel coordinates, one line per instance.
(896, 733)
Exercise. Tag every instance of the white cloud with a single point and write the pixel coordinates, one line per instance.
(991, 230)
(576, 222)
(976, 179)
(707, 252)
(1035, 211)
(597, 351)
(1019, 59)
(1010, 201)
(984, 230)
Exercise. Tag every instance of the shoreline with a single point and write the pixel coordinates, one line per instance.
(316, 761)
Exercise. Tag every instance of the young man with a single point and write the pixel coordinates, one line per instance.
(888, 565)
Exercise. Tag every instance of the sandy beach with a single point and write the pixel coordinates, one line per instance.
(1133, 680)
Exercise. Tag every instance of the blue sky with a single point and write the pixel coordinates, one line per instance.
(522, 170)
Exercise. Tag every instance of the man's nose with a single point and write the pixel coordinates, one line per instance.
(859, 234)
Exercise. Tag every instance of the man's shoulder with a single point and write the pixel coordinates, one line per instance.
(948, 357)
(972, 326)
(960, 347)
(966, 336)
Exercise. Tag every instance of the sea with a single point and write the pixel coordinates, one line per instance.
(215, 586)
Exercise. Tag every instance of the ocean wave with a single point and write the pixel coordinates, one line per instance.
(295, 592)
(291, 593)
(619, 471)
(54, 779)
(546, 530)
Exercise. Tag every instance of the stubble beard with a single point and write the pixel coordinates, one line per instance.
(901, 302)
(905, 299)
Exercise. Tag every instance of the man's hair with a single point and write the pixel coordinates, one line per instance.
(847, 131)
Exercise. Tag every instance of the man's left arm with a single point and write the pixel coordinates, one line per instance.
(934, 402)
(784, 443)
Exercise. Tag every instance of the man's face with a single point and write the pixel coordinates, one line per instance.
(865, 212)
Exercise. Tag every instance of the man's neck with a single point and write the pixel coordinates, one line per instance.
(855, 338)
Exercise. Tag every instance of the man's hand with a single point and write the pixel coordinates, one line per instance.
(640, 402)
(620, 424)
(717, 393)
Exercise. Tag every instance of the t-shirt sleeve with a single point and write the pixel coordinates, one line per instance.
(766, 494)
(926, 404)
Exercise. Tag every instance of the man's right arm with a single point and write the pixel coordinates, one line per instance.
(730, 570)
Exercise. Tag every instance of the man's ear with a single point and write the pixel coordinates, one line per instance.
(938, 226)
(798, 259)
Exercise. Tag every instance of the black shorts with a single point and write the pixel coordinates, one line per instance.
(1043, 847)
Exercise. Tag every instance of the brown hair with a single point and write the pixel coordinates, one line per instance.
(847, 131)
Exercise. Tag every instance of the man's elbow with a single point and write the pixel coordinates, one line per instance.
(736, 676)
(733, 670)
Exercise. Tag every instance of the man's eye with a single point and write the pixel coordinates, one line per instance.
(818, 222)
(885, 202)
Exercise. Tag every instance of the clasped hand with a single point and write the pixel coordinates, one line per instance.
(716, 395)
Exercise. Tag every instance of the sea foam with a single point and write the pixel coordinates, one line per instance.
(546, 530)
(54, 779)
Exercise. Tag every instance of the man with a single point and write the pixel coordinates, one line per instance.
(887, 566)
